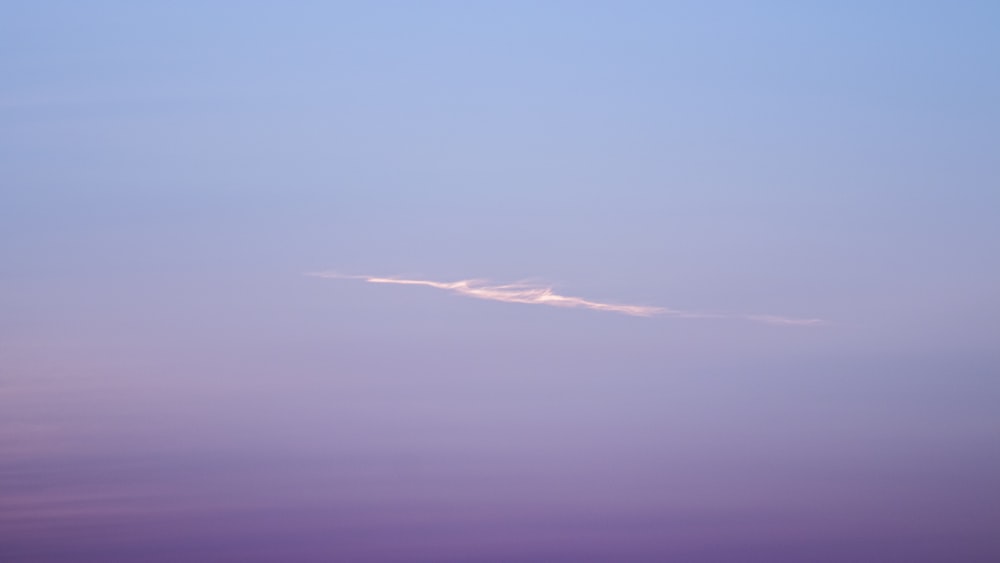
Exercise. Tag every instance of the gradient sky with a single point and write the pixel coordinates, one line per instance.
(174, 388)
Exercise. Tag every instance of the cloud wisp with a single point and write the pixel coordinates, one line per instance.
(535, 294)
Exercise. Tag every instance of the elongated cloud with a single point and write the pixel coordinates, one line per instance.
(535, 294)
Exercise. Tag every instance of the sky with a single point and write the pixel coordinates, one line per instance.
(276, 281)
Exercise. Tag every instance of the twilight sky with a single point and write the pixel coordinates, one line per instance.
(174, 387)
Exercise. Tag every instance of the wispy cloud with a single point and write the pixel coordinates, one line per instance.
(535, 294)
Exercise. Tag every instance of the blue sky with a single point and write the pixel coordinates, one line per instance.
(168, 173)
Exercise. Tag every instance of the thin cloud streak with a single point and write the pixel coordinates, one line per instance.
(534, 294)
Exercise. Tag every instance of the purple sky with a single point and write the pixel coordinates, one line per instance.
(769, 232)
